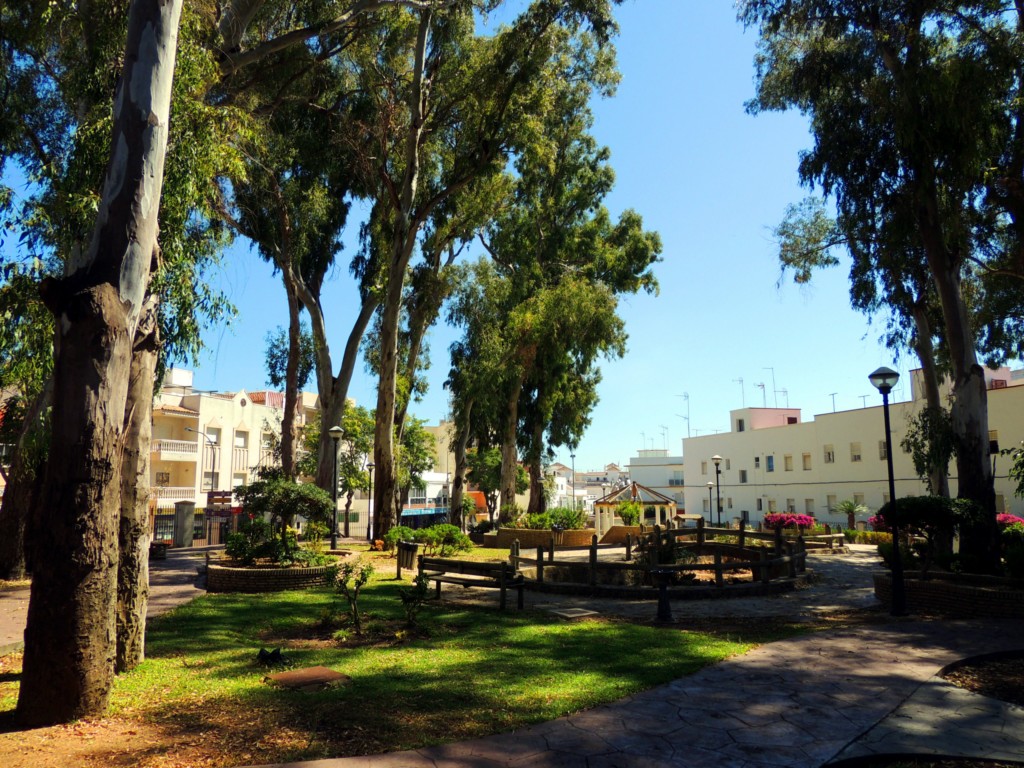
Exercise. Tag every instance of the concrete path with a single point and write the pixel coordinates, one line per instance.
(171, 582)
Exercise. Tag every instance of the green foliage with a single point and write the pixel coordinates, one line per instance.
(851, 509)
(935, 518)
(1012, 541)
(565, 518)
(280, 500)
(630, 512)
(396, 534)
(866, 537)
(251, 541)
(352, 577)
(277, 356)
(444, 540)
(413, 598)
(931, 441)
(1016, 471)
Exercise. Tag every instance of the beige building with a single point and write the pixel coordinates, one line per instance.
(772, 460)
(212, 441)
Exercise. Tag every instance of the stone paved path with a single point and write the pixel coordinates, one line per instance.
(797, 703)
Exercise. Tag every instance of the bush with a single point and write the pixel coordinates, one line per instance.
(907, 555)
(251, 542)
(443, 539)
(483, 526)
(1012, 539)
(396, 534)
(533, 522)
(778, 520)
(1004, 520)
(565, 518)
(629, 512)
(280, 500)
(867, 537)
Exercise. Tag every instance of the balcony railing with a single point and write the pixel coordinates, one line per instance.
(187, 448)
(166, 496)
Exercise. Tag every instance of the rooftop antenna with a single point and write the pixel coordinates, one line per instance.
(686, 397)
(785, 393)
(833, 396)
(764, 398)
(664, 435)
(743, 395)
(774, 390)
(864, 401)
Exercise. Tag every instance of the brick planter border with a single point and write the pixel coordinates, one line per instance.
(951, 595)
(222, 578)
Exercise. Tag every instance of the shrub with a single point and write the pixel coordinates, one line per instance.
(867, 537)
(413, 597)
(778, 520)
(251, 542)
(629, 512)
(396, 534)
(483, 526)
(280, 500)
(936, 519)
(565, 518)
(352, 577)
(1012, 539)
(535, 521)
(443, 539)
(907, 555)
(1005, 520)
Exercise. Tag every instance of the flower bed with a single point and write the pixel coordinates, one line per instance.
(225, 578)
(788, 520)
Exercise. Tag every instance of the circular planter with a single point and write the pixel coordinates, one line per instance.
(223, 578)
(956, 595)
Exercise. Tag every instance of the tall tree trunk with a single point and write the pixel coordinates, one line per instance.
(403, 240)
(70, 635)
(17, 502)
(461, 464)
(134, 533)
(938, 477)
(509, 455)
(289, 446)
(537, 501)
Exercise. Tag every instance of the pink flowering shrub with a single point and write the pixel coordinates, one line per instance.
(1007, 520)
(777, 520)
(877, 523)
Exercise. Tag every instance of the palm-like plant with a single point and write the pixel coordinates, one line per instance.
(851, 509)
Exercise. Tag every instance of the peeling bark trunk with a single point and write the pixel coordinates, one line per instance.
(461, 465)
(17, 502)
(289, 447)
(134, 533)
(938, 478)
(508, 449)
(537, 501)
(70, 635)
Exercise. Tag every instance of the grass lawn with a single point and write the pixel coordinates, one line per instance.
(463, 672)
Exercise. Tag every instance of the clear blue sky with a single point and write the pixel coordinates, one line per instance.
(713, 181)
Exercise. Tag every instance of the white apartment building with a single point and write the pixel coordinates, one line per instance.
(773, 461)
(212, 441)
(657, 470)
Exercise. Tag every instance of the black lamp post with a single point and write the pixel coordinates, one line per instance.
(718, 486)
(369, 506)
(711, 502)
(335, 432)
(884, 379)
(572, 455)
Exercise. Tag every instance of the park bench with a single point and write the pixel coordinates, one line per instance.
(470, 573)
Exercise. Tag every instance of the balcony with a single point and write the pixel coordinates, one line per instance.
(175, 450)
(166, 496)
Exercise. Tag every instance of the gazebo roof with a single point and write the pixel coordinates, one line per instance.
(636, 492)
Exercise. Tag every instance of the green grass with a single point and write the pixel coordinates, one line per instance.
(465, 672)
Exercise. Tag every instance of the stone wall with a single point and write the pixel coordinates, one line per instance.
(531, 539)
(221, 578)
(974, 596)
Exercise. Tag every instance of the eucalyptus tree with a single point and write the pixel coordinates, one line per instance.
(913, 107)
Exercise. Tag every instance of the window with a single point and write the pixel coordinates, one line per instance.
(269, 440)
(885, 497)
(830, 502)
(858, 498)
(214, 434)
(791, 505)
(707, 506)
(791, 419)
(830, 454)
(241, 439)
(854, 452)
(883, 452)
(211, 481)
(740, 425)
(163, 478)
(757, 462)
(1000, 503)
(728, 503)
(759, 505)
(745, 516)
(703, 467)
(728, 463)
(807, 461)
(238, 479)
(743, 475)
(808, 506)
(787, 462)
(769, 463)
(993, 441)
(772, 507)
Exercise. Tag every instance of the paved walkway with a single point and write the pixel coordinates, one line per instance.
(171, 582)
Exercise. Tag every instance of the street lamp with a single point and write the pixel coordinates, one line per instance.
(336, 432)
(213, 454)
(710, 501)
(718, 486)
(369, 506)
(572, 455)
(884, 379)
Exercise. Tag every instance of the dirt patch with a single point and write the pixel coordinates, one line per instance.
(998, 678)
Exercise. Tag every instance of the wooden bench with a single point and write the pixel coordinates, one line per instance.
(471, 573)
